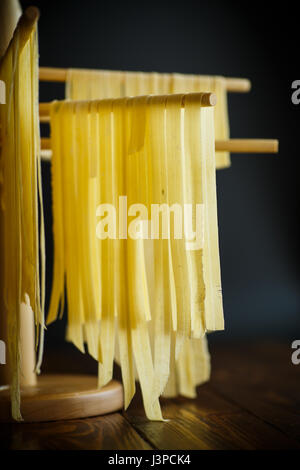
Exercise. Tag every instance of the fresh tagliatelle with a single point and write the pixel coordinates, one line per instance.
(21, 244)
(142, 274)
(84, 84)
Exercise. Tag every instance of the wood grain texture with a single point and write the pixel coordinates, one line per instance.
(61, 397)
(262, 380)
(209, 422)
(251, 402)
(110, 432)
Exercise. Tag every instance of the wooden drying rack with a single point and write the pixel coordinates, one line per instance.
(64, 397)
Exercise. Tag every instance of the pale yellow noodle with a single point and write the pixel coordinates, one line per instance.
(22, 245)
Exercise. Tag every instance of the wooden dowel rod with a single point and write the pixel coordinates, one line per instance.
(44, 109)
(247, 145)
(231, 145)
(27, 347)
(52, 74)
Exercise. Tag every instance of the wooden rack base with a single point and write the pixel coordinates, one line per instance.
(62, 397)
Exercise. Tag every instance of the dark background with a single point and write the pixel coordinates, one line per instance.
(258, 195)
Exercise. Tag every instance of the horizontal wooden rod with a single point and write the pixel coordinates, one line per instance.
(23, 30)
(45, 143)
(237, 85)
(204, 100)
(52, 74)
(231, 145)
(24, 27)
(247, 145)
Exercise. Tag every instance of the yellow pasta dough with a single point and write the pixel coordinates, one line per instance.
(157, 152)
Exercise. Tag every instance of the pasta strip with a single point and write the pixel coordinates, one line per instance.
(138, 281)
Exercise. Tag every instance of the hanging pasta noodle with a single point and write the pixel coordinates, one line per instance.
(84, 84)
(194, 83)
(96, 84)
(20, 187)
(158, 151)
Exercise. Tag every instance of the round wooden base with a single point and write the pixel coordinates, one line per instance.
(60, 397)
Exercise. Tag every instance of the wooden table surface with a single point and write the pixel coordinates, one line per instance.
(251, 402)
